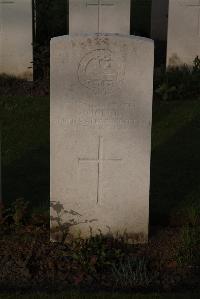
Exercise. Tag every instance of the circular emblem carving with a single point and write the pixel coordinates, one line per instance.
(99, 71)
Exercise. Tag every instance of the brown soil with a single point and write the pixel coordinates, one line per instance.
(29, 259)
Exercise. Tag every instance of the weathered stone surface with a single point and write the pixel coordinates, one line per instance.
(183, 32)
(159, 19)
(101, 106)
(16, 53)
(99, 16)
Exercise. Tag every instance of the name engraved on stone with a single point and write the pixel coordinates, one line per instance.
(100, 72)
(98, 124)
(99, 162)
(113, 115)
(195, 4)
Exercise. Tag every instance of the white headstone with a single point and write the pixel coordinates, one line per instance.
(101, 110)
(101, 101)
(99, 16)
(16, 52)
(159, 19)
(183, 32)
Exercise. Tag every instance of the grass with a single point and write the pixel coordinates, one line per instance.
(188, 251)
(100, 296)
(175, 159)
(25, 149)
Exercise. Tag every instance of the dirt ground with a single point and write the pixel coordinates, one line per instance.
(29, 260)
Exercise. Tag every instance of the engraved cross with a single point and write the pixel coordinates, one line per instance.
(99, 161)
(99, 3)
(197, 5)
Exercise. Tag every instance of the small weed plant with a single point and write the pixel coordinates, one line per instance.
(188, 215)
(17, 213)
(193, 215)
(60, 224)
(98, 253)
(131, 272)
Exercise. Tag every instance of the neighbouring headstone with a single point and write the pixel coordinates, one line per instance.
(183, 32)
(99, 16)
(159, 19)
(16, 51)
(101, 110)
